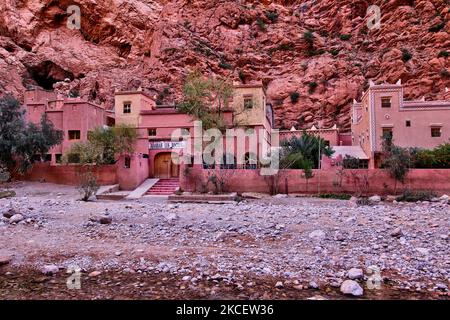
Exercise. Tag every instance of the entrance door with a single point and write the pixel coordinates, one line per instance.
(162, 165)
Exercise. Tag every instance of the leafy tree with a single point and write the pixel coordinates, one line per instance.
(306, 147)
(205, 99)
(20, 142)
(396, 160)
(104, 145)
(438, 158)
(350, 162)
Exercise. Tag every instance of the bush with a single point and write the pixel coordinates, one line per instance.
(272, 16)
(309, 37)
(294, 96)
(350, 162)
(261, 24)
(414, 196)
(363, 201)
(334, 52)
(88, 185)
(312, 87)
(339, 196)
(406, 55)
(443, 53)
(437, 158)
(437, 27)
(345, 37)
(225, 65)
(445, 73)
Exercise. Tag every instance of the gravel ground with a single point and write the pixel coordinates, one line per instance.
(276, 247)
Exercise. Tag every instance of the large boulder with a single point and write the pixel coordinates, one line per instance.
(351, 287)
(16, 218)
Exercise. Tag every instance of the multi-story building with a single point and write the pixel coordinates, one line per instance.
(74, 116)
(382, 110)
(156, 123)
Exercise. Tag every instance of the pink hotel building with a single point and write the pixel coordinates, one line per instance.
(382, 109)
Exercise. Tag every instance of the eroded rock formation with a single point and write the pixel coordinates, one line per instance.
(153, 44)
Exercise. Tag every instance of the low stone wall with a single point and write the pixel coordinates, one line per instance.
(67, 174)
(366, 181)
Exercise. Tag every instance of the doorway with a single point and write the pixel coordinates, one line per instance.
(164, 168)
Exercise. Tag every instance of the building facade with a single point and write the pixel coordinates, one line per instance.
(155, 124)
(383, 110)
(73, 116)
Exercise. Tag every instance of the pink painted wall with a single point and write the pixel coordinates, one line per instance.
(130, 178)
(352, 181)
(65, 113)
(67, 174)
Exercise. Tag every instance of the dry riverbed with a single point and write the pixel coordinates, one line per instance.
(280, 248)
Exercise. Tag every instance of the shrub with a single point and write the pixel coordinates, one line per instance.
(445, 73)
(406, 55)
(345, 37)
(437, 28)
(272, 16)
(342, 196)
(350, 162)
(443, 53)
(294, 96)
(88, 185)
(437, 158)
(309, 37)
(261, 24)
(242, 76)
(225, 65)
(312, 87)
(334, 52)
(414, 196)
(363, 201)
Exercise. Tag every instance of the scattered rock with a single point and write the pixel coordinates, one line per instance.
(423, 251)
(16, 218)
(351, 287)
(355, 273)
(397, 232)
(4, 260)
(94, 273)
(50, 269)
(375, 198)
(11, 212)
(317, 234)
(279, 285)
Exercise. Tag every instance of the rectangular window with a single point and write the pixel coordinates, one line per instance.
(408, 123)
(436, 132)
(127, 107)
(387, 132)
(152, 132)
(385, 102)
(127, 164)
(48, 157)
(248, 102)
(74, 134)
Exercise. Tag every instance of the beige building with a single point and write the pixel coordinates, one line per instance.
(382, 110)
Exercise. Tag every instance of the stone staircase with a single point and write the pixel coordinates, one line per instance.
(164, 187)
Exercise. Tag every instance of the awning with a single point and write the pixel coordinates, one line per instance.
(352, 151)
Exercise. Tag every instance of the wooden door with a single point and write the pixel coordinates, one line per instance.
(163, 165)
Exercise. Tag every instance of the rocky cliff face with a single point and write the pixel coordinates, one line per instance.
(321, 49)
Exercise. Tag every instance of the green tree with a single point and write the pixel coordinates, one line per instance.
(104, 145)
(21, 142)
(296, 150)
(307, 171)
(396, 160)
(206, 98)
